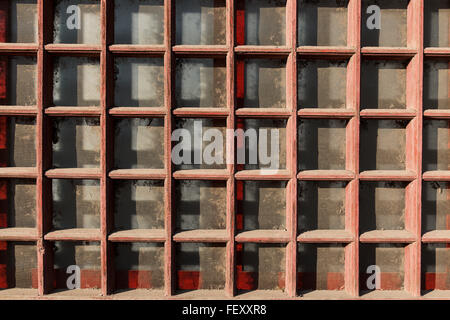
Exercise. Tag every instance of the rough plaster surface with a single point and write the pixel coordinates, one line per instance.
(322, 84)
(22, 77)
(76, 142)
(139, 82)
(23, 22)
(21, 263)
(393, 17)
(390, 258)
(139, 21)
(21, 142)
(142, 257)
(201, 83)
(264, 205)
(435, 85)
(197, 147)
(208, 259)
(321, 205)
(383, 85)
(200, 204)
(139, 204)
(436, 206)
(268, 260)
(76, 81)
(321, 144)
(265, 22)
(436, 259)
(76, 203)
(200, 22)
(321, 260)
(436, 23)
(89, 31)
(382, 206)
(267, 125)
(383, 145)
(436, 152)
(21, 203)
(322, 23)
(265, 83)
(139, 143)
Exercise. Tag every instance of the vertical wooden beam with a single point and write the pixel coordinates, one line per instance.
(169, 261)
(106, 151)
(291, 140)
(230, 287)
(352, 145)
(414, 147)
(3, 146)
(43, 216)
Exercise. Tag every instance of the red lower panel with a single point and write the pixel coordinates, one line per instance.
(436, 281)
(133, 279)
(388, 281)
(188, 280)
(249, 280)
(308, 281)
(335, 281)
(246, 280)
(89, 279)
(3, 275)
(34, 278)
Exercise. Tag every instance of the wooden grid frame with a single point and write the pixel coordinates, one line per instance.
(232, 51)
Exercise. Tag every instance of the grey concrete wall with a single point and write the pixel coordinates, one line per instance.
(389, 257)
(23, 21)
(265, 124)
(201, 83)
(383, 85)
(76, 142)
(76, 81)
(21, 142)
(436, 259)
(206, 124)
(393, 24)
(382, 206)
(383, 145)
(265, 22)
(322, 23)
(22, 259)
(139, 21)
(22, 77)
(321, 205)
(139, 204)
(321, 259)
(200, 22)
(264, 205)
(435, 85)
(142, 257)
(321, 144)
(436, 24)
(85, 255)
(21, 203)
(139, 82)
(208, 259)
(139, 143)
(89, 32)
(265, 83)
(436, 207)
(436, 154)
(76, 203)
(268, 260)
(322, 84)
(200, 204)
